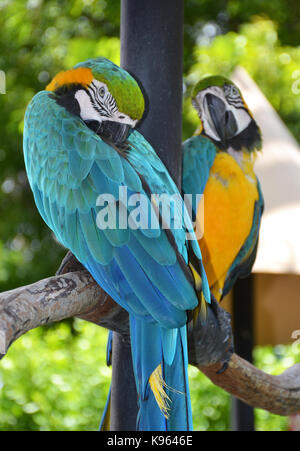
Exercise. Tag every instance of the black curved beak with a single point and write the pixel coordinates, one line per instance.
(114, 131)
(223, 120)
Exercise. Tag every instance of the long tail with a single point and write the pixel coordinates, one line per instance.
(160, 364)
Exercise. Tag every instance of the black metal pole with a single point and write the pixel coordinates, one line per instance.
(242, 415)
(123, 390)
(152, 51)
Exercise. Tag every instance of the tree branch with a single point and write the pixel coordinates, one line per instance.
(277, 394)
(77, 294)
(57, 298)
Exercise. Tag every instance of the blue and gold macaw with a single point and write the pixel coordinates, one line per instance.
(218, 162)
(79, 143)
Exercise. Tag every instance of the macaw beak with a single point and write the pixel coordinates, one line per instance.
(114, 131)
(223, 120)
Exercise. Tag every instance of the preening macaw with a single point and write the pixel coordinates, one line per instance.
(218, 162)
(79, 143)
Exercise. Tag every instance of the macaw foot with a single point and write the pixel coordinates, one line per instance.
(225, 361)
(211, 342)
(69, 264)
(224, 319)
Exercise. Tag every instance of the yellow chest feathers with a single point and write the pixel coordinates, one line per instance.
(229, 198)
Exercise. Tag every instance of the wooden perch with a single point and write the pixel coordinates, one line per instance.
(54, 299)
(277, 394)
(77, 294)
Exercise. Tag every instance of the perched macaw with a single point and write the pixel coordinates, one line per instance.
(79, 143)
(218, 162)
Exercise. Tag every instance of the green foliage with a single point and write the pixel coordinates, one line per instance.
(38, 39)
(274, 361)
(210, 404)
(52, 380)
(258, 49)
(205, 19)
(55, 378)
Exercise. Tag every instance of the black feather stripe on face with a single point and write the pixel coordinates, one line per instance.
(106, 105)
(237, 103)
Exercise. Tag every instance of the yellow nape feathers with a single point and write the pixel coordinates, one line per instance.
(81, 75)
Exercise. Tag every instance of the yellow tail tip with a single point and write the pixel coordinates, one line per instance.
(158, 386)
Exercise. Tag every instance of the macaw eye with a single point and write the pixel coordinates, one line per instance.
(231, 91)
(234, 91)
(102, 91)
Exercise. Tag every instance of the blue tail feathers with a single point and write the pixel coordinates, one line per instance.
(160, 364)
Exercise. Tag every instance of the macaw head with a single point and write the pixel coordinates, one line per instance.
(103, 95)
(225, 117)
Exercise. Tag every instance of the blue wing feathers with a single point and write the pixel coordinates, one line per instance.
(131, 179)
(168, 279)
(101, 183)
(98, 245)
(198, 157)
(153, 300)
(112, 168)
(79, 167)
(162, 253)
(117, 238)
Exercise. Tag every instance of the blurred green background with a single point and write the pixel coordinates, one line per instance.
(55, 378)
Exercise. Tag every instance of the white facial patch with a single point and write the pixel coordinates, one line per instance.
(241, 116)
(99, 105)
(87, 111)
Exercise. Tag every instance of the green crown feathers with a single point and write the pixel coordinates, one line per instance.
(212, 80)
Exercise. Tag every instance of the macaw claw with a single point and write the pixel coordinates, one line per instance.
(211, 342)
(225, 361)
